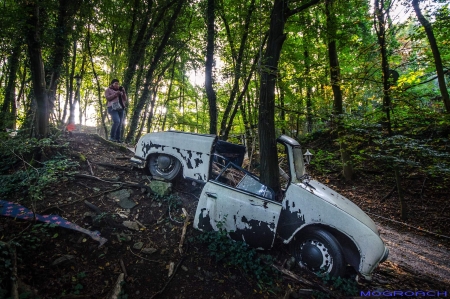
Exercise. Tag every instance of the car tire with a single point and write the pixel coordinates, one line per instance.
(164, 166)
(318, 251)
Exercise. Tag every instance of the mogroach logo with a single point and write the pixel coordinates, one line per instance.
(419, 294)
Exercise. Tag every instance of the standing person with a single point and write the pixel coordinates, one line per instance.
(117, 98)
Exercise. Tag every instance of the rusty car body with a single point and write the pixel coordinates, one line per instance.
(325, 230)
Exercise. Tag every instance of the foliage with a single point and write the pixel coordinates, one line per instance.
(21, 173)
(239, 254)
(346, 286)
(26, 244)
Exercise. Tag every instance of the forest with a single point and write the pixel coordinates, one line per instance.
(363, 84)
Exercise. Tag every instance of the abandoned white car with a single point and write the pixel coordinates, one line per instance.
(325, 230)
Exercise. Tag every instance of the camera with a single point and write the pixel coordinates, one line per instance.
(121, 88)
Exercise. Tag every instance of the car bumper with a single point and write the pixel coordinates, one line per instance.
(138, 162)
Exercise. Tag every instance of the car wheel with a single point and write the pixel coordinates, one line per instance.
(164, 166)
(319, 251)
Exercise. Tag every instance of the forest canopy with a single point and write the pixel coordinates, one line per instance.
(372, 74)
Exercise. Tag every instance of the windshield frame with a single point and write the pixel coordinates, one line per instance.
(299, 164)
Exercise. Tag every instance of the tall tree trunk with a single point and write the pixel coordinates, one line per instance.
(42, 115)
(241, 95)
(8, 119)
(66, 12)
(403, 205)
(99, 92)
(380, 27)
(238, 58)
(72, 100)
(335, 76)
(210, 93)
(308, 93)
(266, 126)
(150, 73)
(437, 56)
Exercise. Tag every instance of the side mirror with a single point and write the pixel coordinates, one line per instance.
(307, 156)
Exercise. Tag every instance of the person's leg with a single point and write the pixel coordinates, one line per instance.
(119, 127)
(116, 122)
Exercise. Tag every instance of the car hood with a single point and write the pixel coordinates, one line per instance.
(339, 202)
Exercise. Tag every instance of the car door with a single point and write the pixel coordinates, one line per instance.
(237, 202)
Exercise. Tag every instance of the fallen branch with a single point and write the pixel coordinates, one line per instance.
(106, 180)
(122, 265)
(14, 277)
(183, 233)
(389, 194)
(304, 281)
(93, 207)
(114, 166)
(90, 167)
(293, 275)
(144, 257)
(170, 279)
(118, 287)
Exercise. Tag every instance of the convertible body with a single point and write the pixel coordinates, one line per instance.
(325, 230)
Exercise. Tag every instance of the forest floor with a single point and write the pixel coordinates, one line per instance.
(69, 264)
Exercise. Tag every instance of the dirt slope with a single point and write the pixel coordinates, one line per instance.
(416, 262)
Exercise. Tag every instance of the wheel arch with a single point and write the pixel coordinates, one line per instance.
(351, 252)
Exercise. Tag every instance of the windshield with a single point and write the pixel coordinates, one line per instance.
(299, 166)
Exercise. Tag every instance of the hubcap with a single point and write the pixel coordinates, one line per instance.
(315, 256)
(164, 163)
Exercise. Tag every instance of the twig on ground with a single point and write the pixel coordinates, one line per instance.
(170, 279)
(153, 261)
(114, 166)
(183, 233)
(304, 281)
(93, 207)
(14, 278)
(117, 287)
(90, 167)
(389, 194)
(122, 265)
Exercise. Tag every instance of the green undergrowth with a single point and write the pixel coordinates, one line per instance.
(29, 167)
(346, 287)
(28, 243)
(239, 254)
(419, 145)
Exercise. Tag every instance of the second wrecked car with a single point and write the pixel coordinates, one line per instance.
(325, 230)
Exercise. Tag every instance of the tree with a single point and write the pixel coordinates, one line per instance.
(335, 79)
(45, 96)
(437, 56)
(210, 93)
(380, 23)
(149, 77)
(269, 73)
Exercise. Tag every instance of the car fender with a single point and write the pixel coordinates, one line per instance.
(301, 207)
(192, 150)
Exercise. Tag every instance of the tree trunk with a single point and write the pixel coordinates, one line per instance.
(210, 93)
(437, 56)
(8, 119)
(266, 126)
(41, 123)
(335, 76)
(403, 206)
(380, 27)
(149, 76)
(99, 92)
(238, 58)
(241, 95)
(66, 13)
(308, 94)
